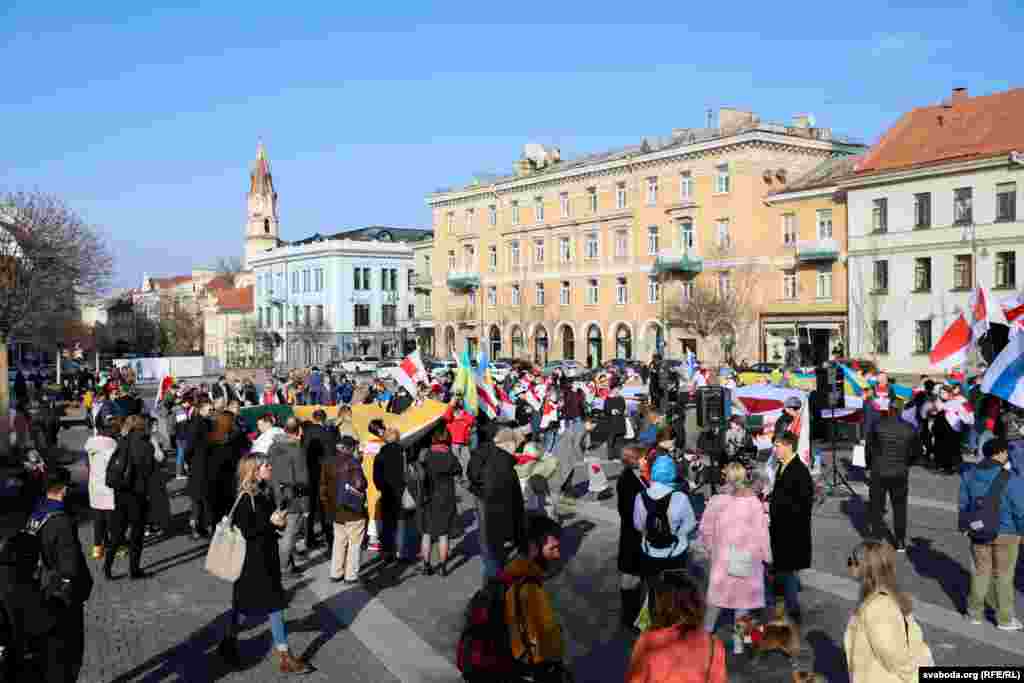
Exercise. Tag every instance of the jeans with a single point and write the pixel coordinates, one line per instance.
(277, 628)
(492, 558)
(789, 582)
(179, 462)
(994, 559)
(550, 436)
(896, 488)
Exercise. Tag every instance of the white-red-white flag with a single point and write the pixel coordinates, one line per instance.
(410, 372)
(1013, 309)
(954, 345)
(984, 311)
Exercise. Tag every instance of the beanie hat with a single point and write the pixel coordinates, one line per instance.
(664, 470)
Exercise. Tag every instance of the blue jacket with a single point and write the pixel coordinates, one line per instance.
(976, 480)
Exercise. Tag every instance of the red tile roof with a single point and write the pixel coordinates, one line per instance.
(167, 282)
(218, 283)
(966, 128)
(240, 300)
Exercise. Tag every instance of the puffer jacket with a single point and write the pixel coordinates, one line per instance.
(894, 442)
(883, 646)
(976, 480)
(543, 631)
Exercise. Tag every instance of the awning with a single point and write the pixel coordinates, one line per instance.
(820, 326)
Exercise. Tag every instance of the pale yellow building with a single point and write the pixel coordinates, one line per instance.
(591, 258)
(421, 282)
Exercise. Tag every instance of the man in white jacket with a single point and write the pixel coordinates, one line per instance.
(268, 433)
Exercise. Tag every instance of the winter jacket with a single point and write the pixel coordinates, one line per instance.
(680, 517)
(631, 552)
(389, 472)
(572, 404)
(492, 480)
(61, 552)
(143, 463)
(894, 443)
(789, 518)
(100, 449)
(740, 522)
(259, 588)
(289, 478)
(977, 480)
(537, 617)
(662, 656)
(459, 425)
(882, 645)
(329, 489)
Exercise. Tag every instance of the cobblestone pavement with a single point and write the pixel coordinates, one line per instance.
(400, 626)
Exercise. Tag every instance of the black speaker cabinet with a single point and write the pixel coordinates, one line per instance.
(710, 406)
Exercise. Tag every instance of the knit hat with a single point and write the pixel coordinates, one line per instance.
(664, 470)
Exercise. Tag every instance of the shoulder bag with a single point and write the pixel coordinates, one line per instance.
(226, 554)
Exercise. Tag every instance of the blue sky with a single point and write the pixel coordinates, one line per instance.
(145, 120)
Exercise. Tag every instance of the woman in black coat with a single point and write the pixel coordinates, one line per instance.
(792, 501)
(197, 457)
(259, 588)
(440, 468)
(631, 553)
(614, 420)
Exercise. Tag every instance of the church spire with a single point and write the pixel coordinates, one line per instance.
(260, 179)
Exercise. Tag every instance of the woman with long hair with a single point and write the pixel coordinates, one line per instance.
(259, 588)
(676, 648)
(883, 641)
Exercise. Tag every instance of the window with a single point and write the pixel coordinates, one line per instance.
(789, 284)
(882, 336)
(389, 315)
(412, 312)
(652, 240)
(592, 199)
(962, 276)
(410, 275)
(789, 229)
(824, 282)
(1006, 269)
(620, 195)
(492, 214)
(880, 215)
(280, 317)
(451, 260)
(426, 268)
(724, 240)
(923, 274)
(427, 304)
(621, 244)
(881, 276)
(492, 257)
(320, 279)
(621, 291)
(539, 295)
(538, 204)
(515, 212)
(515, 295)
(305, 316)
(686, 234)
(472, 299)
(724, 285)
(652, 191)
(1006, 202)
(922, 210)
(295, 282)
(722, 178)
(564, 249)
(653, 290)
(514, 254)
(824, 224)
(469, 257)
(260, 317)
(591, 245)
(962, 210)
(305, 281)
(361, 315)
(451, 222)
(564, 294)
(685, 186)
(319, 316)
(923, 336)
(538, 251)
(592, 292)
(492, 296)
(686, 290)
(394, 280)
(563, 204)
(362, 278)
(469, 220)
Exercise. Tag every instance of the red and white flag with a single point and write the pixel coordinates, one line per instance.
(1013, 309)
(954, 345)
(410, 372)
(488, 398)
(984, 311)
(549, 415)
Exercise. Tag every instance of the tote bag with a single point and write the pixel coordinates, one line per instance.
(226, 555)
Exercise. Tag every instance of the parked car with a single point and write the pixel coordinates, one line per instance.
(360, 364)
(385, 369)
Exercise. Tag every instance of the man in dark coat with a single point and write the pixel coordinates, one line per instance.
(389, 478)
(894, 442)
(320, 445)
(631, 553)
(222, 389)
(792, 501)
(614, 427)
(132, 503)
(197, 456)
(872, 416)
(290, 484)
(501, 513)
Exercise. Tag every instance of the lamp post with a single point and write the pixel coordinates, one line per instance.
(392, 298)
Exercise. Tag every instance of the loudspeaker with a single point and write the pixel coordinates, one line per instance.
(710, 406)
(830, 385)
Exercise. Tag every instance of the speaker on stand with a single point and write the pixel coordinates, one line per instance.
(830, 384)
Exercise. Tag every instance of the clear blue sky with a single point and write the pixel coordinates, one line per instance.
(145, 120)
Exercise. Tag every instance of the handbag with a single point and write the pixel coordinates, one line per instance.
(408, 502)
(226, 555)
(740, 563)
(630, 433)
(859, 458)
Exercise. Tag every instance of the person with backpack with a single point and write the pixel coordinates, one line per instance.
(789, 521)
(665, 519)
(65, 580)
(439, 469)
(883, 641)
(992, 516)
(343, 494)
(100, 449)
(290, 486)
(128, 474)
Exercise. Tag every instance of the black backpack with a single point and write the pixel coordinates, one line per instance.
(352, 485)
(120, 468)
(658, 529)
(982, 520)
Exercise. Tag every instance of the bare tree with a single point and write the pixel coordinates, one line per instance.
(228, 268)
(181, 329)
(724, 308)
(48, 256)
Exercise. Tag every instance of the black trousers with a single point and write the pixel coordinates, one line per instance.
(64, 646)
(132, 510)
(101, 526)
(897, 489)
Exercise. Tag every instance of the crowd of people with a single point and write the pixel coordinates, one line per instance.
(373, 497)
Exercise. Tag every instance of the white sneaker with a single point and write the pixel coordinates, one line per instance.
(1014, 625)
(973, 620)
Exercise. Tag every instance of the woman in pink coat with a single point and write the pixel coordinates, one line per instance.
(734, 530)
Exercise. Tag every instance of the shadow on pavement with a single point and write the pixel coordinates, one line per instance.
(935, 564)
(856, 509)
(829, 657)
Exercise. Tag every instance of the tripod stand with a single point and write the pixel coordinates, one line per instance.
(837, 476)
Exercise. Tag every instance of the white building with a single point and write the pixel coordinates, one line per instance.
(933, 213)
(332, 297)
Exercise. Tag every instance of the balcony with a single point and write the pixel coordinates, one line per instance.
(421, 282)
(463, 280)
(677, 261)
(817, 250)
(467, 317)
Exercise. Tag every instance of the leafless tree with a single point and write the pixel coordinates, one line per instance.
(228, 268)
(48, 256)
(724, 309)
(181, 329)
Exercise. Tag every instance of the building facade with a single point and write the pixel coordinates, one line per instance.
(334, 297)
(591, 259)
(932, 214)
(804, 312)
(422, 285)
(229, 334)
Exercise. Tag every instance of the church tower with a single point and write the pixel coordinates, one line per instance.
(261, 231)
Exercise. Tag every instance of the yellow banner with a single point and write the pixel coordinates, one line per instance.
(411, 424)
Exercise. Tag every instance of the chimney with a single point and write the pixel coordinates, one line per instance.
(959, 95)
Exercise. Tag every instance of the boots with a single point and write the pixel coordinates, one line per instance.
(443, 569)
(108, 566)
(290, 664)
(228, 651)
(427, 570)
(632, 602)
